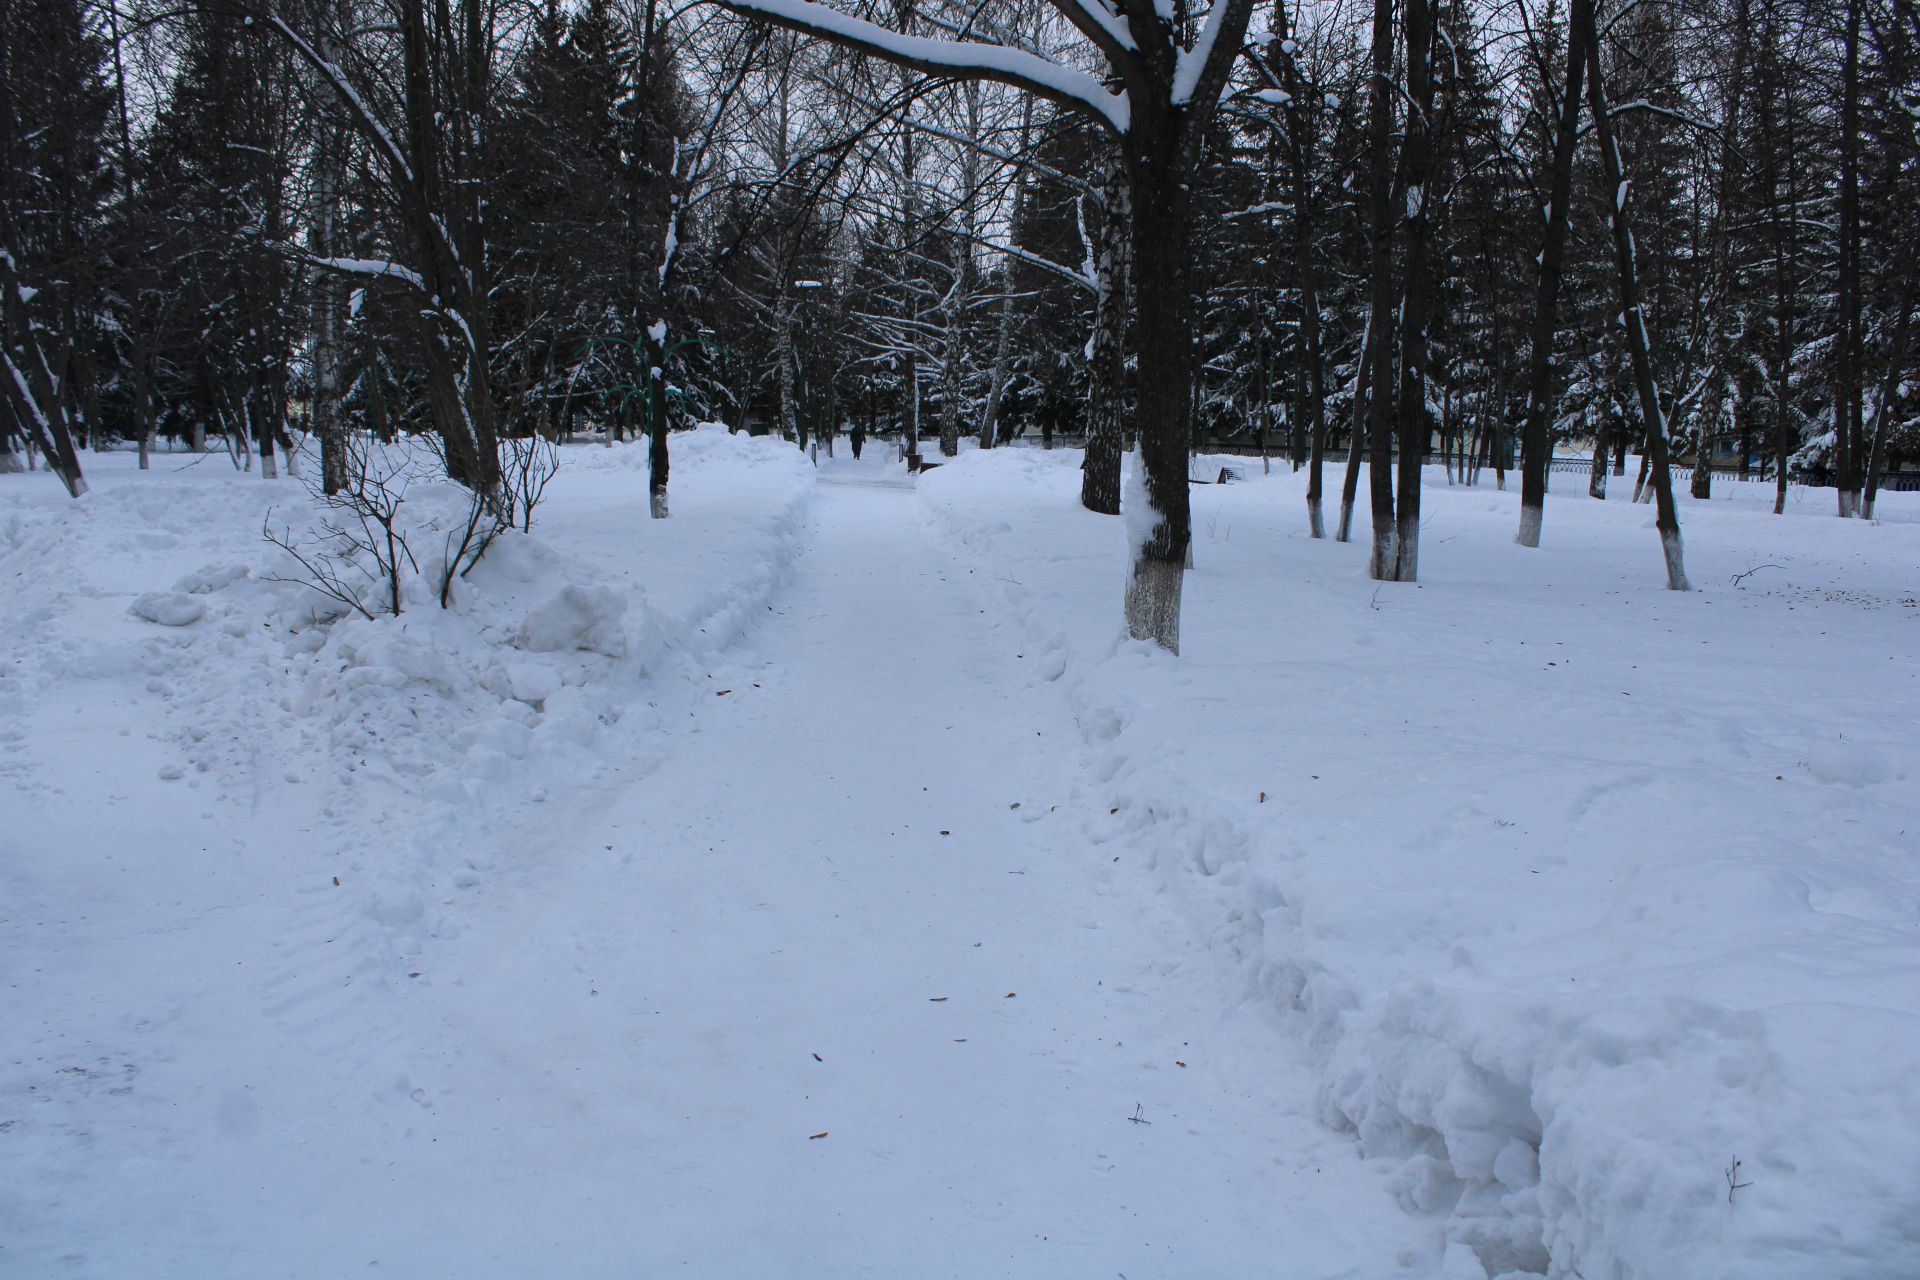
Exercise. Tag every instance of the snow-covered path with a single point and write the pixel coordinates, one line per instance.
(822, 913)
(299, 1014)
(830, 864)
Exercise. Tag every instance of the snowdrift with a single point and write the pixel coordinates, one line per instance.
(290, 805)
(1581, 890)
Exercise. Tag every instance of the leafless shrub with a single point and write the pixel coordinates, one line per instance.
(357, 550)
(526, 465)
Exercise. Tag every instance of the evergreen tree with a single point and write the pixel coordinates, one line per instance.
(54, 185)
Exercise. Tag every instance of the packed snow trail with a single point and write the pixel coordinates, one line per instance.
(814, 997)
(368, 964)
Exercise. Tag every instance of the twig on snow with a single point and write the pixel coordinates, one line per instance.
(1733, 1183)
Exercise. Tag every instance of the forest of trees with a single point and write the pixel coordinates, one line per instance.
(1336, 233)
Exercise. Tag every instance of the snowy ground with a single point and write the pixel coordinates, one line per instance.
(1580, 889)
(545, 934)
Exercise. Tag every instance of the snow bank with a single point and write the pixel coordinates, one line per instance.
(168, 608)
(589, 618)
(1581, 890)
(396, 762)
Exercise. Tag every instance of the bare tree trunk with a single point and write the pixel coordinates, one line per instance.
(12, 459)
(1417, 159)
(143, 395)
(329, 173)
(1362, 384)
(1700, 485)
(1496, 378)
(658, 463)
(1846, 391)
(1261, 389)
(1783, 301)
(435, 165)
(1667, 521)
(997, 383)
(261, 422)
(1380, 559)
(784, 357)
(33, 387)
(953, 354)
(1889, 388)
(913, 404)
(1721, 236)
(909, 222)
(1106, 367)
(13, 451)
(1537, 443)
(1163, 300)
(1003, 331)
(1316, 395)
(1300, 137)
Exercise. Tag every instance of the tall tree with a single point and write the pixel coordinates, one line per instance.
(1537, 447)
(429, 137)
(1170, 69)
(1627, 283)
(54, 180)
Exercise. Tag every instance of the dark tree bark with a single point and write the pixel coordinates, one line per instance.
(658, 463)
(13, 450)
(1172, 81)
(1163, 360)
(434, 164)
(1846, 389)
(1106, 368)
(1667, 520)
(1537, 443)
(1720, 248)
(1350, 485)
(1417, 161)
(34, 388)
(1313, 395)
(1380, 559)
(1889, 388)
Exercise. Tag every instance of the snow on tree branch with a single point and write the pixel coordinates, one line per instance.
(1070, 88)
